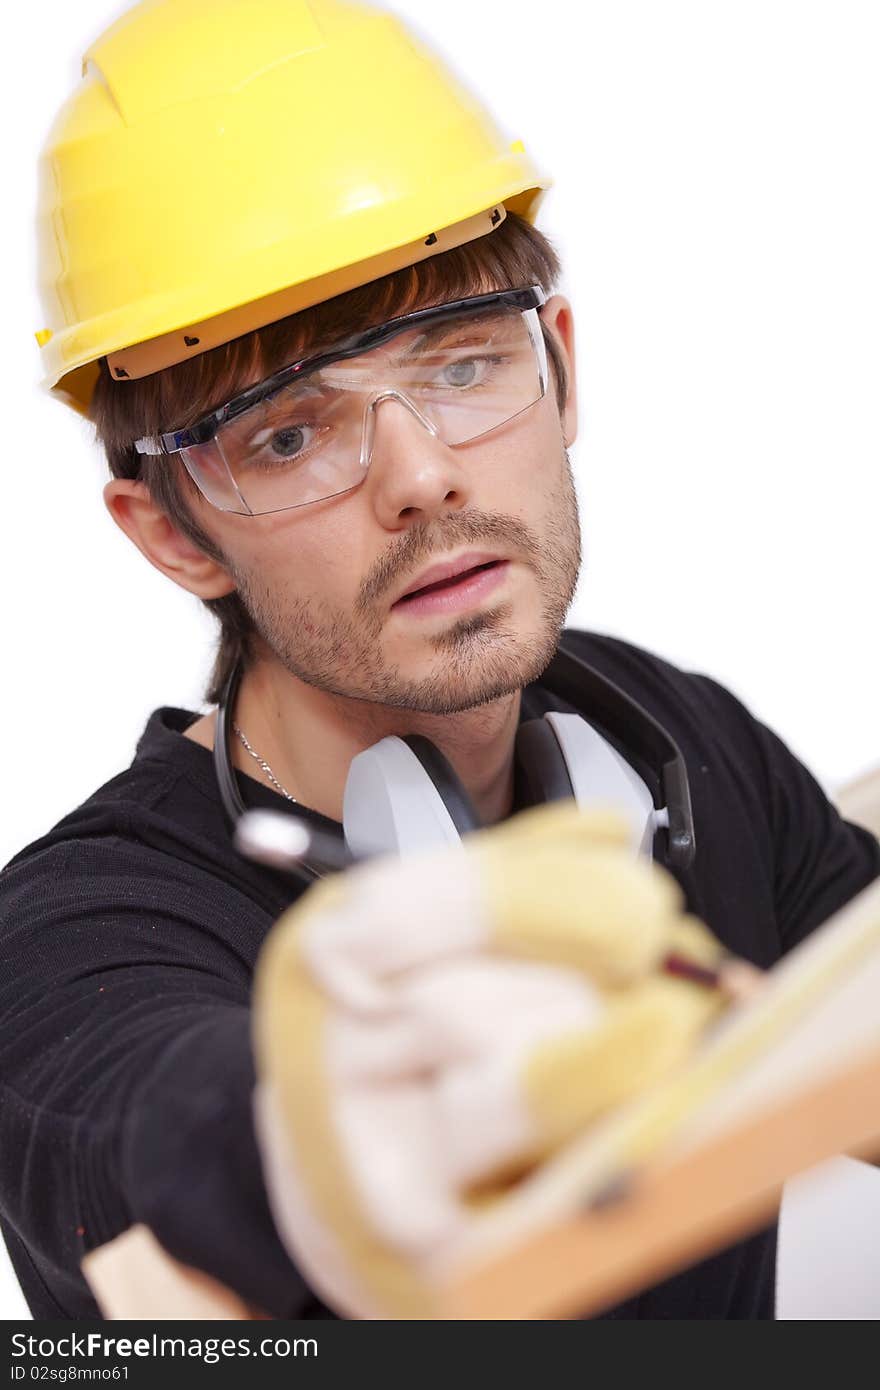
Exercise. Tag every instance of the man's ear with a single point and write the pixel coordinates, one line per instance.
(132, 508)
(557, 315)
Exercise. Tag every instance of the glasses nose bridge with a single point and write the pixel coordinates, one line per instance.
(368, 434)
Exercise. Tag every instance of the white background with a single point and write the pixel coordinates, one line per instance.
(716, 206)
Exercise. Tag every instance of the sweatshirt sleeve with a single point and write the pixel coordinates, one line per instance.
(126, 1074)
(820, 859)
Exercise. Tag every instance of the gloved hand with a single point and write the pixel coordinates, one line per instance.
(426, 1029)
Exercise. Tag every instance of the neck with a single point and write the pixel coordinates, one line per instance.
(309, 738)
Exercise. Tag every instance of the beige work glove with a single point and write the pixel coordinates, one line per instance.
(430, 1027)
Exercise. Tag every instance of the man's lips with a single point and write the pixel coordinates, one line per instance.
(461, 591)
(439, 574)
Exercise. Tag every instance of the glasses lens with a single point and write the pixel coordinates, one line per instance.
(475, 375)
(305, 443)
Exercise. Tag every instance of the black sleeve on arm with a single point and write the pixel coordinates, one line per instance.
(821, 860)
(192, 1169)
(126, 1074)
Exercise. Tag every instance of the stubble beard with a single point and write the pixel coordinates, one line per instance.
(481, 655)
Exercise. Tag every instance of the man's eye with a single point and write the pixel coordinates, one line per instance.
(280, 443)
(288, 441)
(468, 371)
(463, 373)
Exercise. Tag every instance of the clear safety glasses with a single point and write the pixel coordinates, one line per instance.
(306, 432)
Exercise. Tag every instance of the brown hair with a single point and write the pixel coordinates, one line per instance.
(514, 254)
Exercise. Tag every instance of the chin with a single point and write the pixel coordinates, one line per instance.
(476, 659)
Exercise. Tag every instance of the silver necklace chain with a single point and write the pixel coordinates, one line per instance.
(265, 766)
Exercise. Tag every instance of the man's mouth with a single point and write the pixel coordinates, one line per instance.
(452, 582)
(455, 593)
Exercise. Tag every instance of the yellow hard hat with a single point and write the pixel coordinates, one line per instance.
(225, 163)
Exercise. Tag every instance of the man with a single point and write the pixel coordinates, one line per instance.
(208, 226)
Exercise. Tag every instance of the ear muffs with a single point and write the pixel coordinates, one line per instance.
(403, 792)
(446, 781)
(402, 795)
(541, 770)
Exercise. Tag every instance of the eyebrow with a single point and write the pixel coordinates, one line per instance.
(316, 343)
(435, 331)
(430, 333)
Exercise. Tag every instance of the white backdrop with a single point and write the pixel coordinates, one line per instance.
(716, 206)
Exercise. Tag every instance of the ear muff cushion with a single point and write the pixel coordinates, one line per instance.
(445, 779)
(541, 771)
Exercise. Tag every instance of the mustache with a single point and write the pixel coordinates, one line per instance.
(457, 529)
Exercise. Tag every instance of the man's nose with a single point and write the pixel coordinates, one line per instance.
(412, 473)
